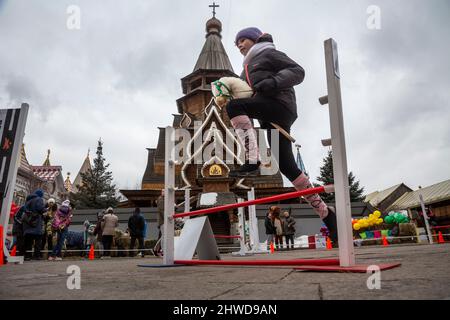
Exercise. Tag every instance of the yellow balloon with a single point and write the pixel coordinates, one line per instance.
(356, 226)
(379, 221)
(377, 214)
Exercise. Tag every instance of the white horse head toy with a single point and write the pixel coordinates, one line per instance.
(227, 88)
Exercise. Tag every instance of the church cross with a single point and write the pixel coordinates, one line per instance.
(214, 6)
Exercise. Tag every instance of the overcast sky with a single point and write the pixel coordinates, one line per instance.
(118, 77)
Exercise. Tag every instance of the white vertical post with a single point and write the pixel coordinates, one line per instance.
(187, 200)
(425, 218)
(169, 197)
(342, 191)
(12, 173)
(253, 223)
(241, 228)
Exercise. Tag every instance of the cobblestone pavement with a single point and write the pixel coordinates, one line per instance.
(424, 274)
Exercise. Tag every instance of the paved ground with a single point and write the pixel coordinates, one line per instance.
(424, 274)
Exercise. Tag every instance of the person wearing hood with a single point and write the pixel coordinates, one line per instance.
(17, 229)
(89, 238)
(136, 226)
(60, 225)
(33, 224)
(272, 75)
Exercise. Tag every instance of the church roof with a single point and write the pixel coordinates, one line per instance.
(24, 164)
(149, 173)
(213, 55)
(25, 169)
(160, 148)
(47, 173)
(84, 168)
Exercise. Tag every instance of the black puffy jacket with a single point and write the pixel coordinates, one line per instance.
(33, 221)
(270, 228)
(136, 225)
(276, 64)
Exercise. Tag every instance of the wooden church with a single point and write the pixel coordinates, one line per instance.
(198, 113)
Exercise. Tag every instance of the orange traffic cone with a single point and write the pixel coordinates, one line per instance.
(385, 242)
(13, 251)
(329, 246)
(91, 253)
(440, 238)
(272, 248)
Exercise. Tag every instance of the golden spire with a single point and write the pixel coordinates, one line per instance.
(67, 183)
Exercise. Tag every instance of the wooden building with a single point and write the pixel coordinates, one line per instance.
(382, 200)
(45, 177)
(435, 197)
(197, 113)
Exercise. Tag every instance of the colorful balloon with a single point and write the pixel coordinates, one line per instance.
(389, 219)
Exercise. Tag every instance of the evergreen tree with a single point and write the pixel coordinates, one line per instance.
(96, 190)
(356, 193)
(326, 177)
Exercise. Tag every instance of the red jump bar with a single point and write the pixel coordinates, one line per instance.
(440, 227)
(293, 262)
(289, 195)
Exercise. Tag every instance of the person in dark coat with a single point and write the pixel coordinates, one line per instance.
(272, 75)
(17, 230)
(33, 224)
(157, 249)
(270, 228)
(160, 216)
(136, 226)
(99, 232)
(278, 226)
(289, 229)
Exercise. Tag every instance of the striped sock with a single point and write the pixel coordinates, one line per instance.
(247, 136)
(302, 182)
